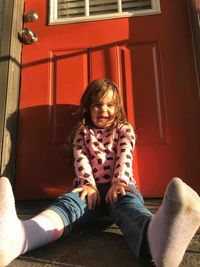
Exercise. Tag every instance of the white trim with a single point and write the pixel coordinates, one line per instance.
(155, 5)
(54, 20)
(119, 4)
(87, 8)
(53, 10)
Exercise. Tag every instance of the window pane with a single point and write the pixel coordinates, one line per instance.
(134, 5)
(99, 7)
(71, 8)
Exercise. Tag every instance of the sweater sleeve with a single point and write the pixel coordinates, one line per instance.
(83, 170)
(123, 169)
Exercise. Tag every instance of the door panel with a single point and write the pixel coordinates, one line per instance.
(106, 57)
(148, 90)
(146, 85)
(69, 75)
(151, 59)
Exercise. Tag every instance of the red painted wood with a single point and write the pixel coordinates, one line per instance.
(151, 59)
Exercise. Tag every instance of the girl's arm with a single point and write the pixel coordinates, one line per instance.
(126, 144)
(123, 173)
(85, 182)
(81, 161)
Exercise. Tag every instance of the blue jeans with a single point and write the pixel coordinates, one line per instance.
(128, 213)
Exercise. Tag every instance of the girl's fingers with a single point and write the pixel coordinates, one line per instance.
(111, 197)
(97, 198)
(89, 202)
(93, 200)
(83, 194)
(122, 191)
(112, 194)
(78, 189)
(114, 197)
(93, 197)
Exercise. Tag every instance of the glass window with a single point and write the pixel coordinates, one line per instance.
(70, 11)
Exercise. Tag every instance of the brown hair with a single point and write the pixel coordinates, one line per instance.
(94, 91)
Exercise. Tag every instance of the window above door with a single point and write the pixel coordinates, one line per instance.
(72, 11)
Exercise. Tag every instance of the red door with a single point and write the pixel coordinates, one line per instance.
(151, 59)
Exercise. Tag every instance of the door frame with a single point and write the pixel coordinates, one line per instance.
(10, 69)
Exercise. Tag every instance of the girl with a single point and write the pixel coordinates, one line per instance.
(103, 143)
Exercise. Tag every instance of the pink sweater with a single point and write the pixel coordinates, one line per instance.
(104, 156)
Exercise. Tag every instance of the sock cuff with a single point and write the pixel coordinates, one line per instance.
(49, 220)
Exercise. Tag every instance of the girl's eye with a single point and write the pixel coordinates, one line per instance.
(110, 105)
(96, 105)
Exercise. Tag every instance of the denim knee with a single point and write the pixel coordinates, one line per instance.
(130, 214)
(70, 207)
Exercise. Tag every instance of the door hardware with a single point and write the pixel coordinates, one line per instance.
(31, 16)
(28, 37)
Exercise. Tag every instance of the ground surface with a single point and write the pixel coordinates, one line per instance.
(98, 244)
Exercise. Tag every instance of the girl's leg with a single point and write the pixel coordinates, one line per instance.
(174, 224)
(169, 232)
(17, 237)
(132, 217)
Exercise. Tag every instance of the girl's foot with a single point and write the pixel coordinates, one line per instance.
(174, 224)
(17, 237)
(11, 229)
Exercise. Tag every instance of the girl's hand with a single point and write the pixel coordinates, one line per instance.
(93, 196)
(115, 189)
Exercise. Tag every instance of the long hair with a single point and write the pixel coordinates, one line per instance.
(94, 91)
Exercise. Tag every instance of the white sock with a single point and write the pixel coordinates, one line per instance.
(43, 229)
(174, 224)
(12, 234)
(17, 237)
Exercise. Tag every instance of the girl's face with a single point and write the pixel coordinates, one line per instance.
(103, 111)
